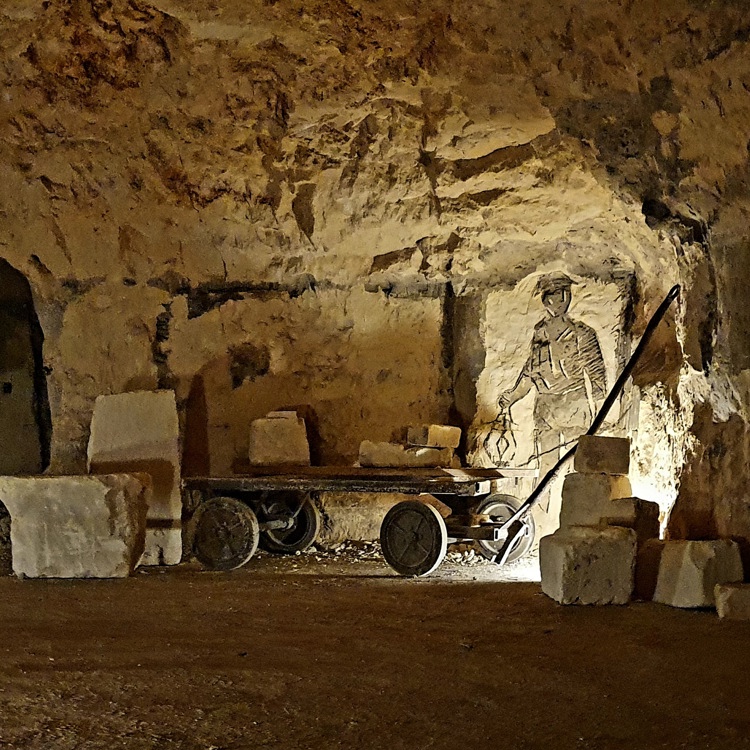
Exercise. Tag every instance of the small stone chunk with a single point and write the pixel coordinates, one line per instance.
(384, 455)
(602, 455)
(586, 498)
(588, 566)
(76, 526)
(733, 601)
(434, 436)
(647, 563)
(690, 570)
(279, 439)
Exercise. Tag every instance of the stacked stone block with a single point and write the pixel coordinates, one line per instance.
(591, 558)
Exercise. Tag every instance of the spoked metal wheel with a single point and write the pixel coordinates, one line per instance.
(226, 533)
(500, 508)
(413, 538)
(302, 529)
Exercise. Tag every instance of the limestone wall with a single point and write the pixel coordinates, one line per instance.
(348, 205)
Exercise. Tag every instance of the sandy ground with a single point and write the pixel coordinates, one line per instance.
(338, 652)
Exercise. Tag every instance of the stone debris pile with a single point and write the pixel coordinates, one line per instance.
(607, 549)
(426, 446)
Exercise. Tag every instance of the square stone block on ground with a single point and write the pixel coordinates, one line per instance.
(139, 432)
(279, 439)
(588, 566)
(602, 455)
(76, 526)
(690, 570)
(586, 498)
(434, 436)
(733, 601)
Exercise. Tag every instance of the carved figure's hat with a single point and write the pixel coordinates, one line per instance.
(553, 282)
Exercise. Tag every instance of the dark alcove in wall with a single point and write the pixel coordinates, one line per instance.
(25, 423)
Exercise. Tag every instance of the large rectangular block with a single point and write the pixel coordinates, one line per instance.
(733, 601)
(76, 527)
(385, 455)
(279, 439)
(434, 436)
(139, 432)
(602, 455)
(690, 570)
(586, 498)
(588, 566)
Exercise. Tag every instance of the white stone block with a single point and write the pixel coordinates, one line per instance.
(434, 436)
(279, 440)
(733, 601)
(588, 566)
(690, 570)
(602, 455)
(139, 432)
(372, 454)
(587, 498)
(76, 527)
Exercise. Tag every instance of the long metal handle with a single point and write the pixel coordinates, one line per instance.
(612, 396)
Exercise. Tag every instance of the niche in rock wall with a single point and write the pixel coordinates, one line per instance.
(24, 408)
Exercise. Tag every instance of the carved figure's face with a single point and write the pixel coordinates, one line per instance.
(557, 302)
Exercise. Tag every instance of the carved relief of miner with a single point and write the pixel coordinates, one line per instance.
(565, 367)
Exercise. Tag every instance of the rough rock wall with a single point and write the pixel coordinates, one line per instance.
(314, 202)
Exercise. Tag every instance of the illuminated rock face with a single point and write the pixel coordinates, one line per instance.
(271, 204)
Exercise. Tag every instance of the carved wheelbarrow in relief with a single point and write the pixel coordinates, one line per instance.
(414, 533)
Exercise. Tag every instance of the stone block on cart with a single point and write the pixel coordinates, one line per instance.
(602, 455)
(690, 570)
(279, 439)
(90, 526)
(583, 565)
(733, 601)
(434, 436)
(388, 455)
(587, 498)
(139, 432)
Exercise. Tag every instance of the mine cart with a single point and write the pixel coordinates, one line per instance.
(277, 509)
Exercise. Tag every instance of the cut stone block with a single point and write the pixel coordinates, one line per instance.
(139, 432)
(587, 498)
(384, 455)
(434, 436)
(733, 601)
(279, 439)
(602, 455)
(76, 527)
(689, 571)
(588, 566)
(647, 563)
(640, 515)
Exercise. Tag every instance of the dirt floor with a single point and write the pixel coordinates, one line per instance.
(328, 651)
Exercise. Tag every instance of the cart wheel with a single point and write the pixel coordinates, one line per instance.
(500, 508)
(413, 538)
(304, 531)
(226, 533)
